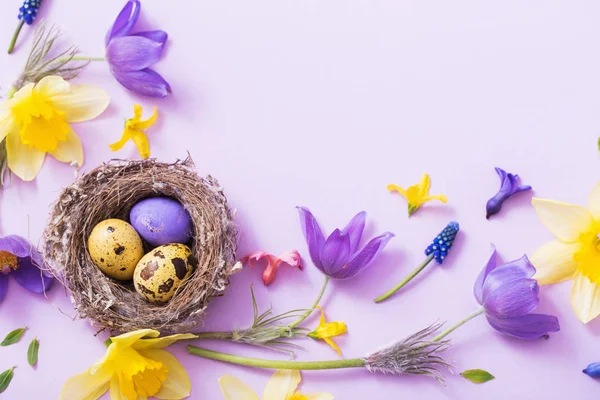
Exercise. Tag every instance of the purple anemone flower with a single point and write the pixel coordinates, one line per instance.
(20, 260)
(339, 257)
(509, 295)
(593, 370)
(130, 55)
(509, 185)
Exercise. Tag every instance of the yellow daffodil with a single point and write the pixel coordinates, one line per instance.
(575, 254)
(134, 368)
(327, 330)
(281, 386)
(35, 121)
(134, 130)
(418, 194)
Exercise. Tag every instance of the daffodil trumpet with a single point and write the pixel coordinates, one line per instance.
(437, 250)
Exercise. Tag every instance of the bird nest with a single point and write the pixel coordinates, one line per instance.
(110, 191)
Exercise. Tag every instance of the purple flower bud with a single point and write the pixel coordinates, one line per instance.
(593, 370)
(509, 185)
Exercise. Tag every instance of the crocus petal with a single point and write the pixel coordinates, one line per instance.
(3, 286)
(125, 21)
(86, 386)
(234, 389)
(507, 273)
(313, 234)
(489, 267)
(17, 246)
(355, 230)
(554, 262)
(70, 150)
(282, 385)
(132, 53)
(145, 82)
(81, 103)
(31, 277)
(177, 385)
(364, 257)
(593, 370)
(159, 37)
(23, 161)
(530, 326)
(512, 299)
(129, 338)
(336, 252)
(161, 342)
(594, 202)
(585, 298)
(566, 221)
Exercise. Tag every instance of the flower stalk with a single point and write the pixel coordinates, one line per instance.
(409, 278)
(458, 325)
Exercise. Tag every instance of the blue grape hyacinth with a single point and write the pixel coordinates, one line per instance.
(443, 242)
(29, 10)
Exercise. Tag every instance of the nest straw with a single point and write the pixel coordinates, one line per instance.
(110, 191)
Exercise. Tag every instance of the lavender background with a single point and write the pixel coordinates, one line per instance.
(323, 103)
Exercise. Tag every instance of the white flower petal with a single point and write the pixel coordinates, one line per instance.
(234, 389)
(554, 262)
(594, 202)
(585, 298)
(70, 150)
(23, 161)
(565, 221)
(51, 86)
(82, 103)
(282, 384)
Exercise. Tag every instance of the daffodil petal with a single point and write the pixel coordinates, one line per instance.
(141, 142)
(177, 385)
(585, 298)
(554, 262)
(594, 202)
(86, 386)
(115, 390)
(23, 161)
(70, 150)
(7, 124)
(82, 103)
(129, 338)
(318, 396)
(565, 221)
(161, 342)
(234, 389)
(51, 86)
(282, 384)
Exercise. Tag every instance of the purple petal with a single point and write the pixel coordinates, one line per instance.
(530, 326)
(31, 277)
(3, 286)
(145, 82)
(593, 370)
(132, 53)
(17, 246)
(336, 252)
(509, 185)
(489, 267)
(512, 299)
(125, 21)
(355, 229)
(506, 273)
(364, 257)
(159, 37)
(313, 234)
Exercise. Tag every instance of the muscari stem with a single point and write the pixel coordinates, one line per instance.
(458, 325)
(406, 280)
(315, 304)
(276, 364)
(11, 46)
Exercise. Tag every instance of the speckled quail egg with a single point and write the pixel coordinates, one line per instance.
(115, 248)
(160, 272)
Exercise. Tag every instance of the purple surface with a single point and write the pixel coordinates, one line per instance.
(324, 103)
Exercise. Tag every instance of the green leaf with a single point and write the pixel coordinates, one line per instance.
(477, 375)
(5, 379)
(32, 352)
(13, 337)
(108, 342)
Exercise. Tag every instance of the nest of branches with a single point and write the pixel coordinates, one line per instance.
(110, 191)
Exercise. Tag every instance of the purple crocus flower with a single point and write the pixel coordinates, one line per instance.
(130, 55)
(20, 260)
(509, 295)
(509, 185)
(593, 370)
(339, 257)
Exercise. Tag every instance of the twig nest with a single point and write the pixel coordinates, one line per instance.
(110, 191)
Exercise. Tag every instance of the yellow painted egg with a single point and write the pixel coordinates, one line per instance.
(160, 272)
(115, 248)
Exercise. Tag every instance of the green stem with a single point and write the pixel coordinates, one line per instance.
(276, 364)
(214, 335)
(406, 280)
(315, 304)
(11, 46)
(457, 325)
(81, 58)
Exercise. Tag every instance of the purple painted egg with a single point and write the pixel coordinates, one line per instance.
(161, 220)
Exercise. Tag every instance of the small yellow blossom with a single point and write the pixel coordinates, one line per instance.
(417, 195)
(281, 386)
(327, 330)
(35, 121)
(134, 130)
(133, 368)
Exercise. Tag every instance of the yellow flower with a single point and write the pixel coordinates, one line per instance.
(35, 121)
(134, 130)
(575, 254)
(418, 194)
(133, 368)
(327, 330)
(281, 386)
